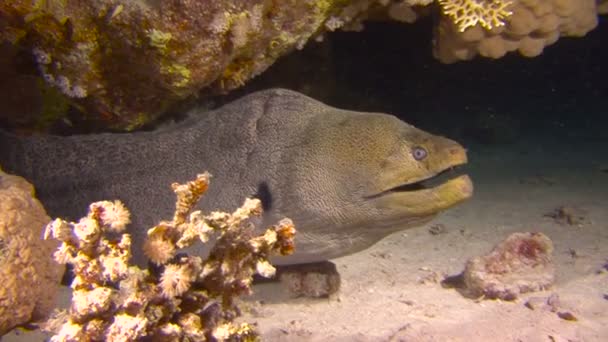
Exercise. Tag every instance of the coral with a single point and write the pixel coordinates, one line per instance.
(533, 25)
(463, 13)
(521, 263)
(489, 28)
(28, 276)
(468, 13)
(180, 297)
(125, 63)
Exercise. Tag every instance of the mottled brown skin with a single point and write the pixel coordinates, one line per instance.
(340, 175)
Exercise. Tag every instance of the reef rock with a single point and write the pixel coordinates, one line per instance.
(532, 25)
(521, 263)
(315, 280)
(29, 277)
(125, 62)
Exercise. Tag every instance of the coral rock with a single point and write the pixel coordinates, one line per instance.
(531, 26)
(29, 277)
(125, 62)
(521, 263)
(315, 280)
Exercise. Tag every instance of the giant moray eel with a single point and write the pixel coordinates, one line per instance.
(347, 179)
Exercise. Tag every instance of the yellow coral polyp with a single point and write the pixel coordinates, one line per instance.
(468, 13)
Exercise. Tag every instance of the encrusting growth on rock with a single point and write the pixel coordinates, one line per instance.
(180, 297)
(521, 263)
(29, 279)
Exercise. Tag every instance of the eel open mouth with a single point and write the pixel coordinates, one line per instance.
(432, 181)
(435, 181)
(428, 196)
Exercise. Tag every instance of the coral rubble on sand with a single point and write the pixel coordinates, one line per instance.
(314, 280)
(180, 297)
(29, 279)
(521, 263)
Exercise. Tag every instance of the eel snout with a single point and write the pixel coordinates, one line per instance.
(430, 194)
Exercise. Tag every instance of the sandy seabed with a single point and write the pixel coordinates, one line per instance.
(392, 291)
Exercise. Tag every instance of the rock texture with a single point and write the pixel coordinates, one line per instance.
(124, 63)
(29, 278)
(533, 25)
(521, 263)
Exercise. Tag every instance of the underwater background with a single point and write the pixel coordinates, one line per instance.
(536, 131)
(556, 94)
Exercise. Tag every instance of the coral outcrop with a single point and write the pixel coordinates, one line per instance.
(29, 279)
(123, 63)
(533, 25)
(180, 297)
(521, 263)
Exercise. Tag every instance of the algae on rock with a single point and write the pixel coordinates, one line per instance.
(123, 63)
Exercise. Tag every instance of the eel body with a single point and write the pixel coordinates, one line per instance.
(347, 179)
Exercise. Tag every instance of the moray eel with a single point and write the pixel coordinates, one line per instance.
(347, 179)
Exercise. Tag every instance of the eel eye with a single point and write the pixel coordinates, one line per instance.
(419, 153)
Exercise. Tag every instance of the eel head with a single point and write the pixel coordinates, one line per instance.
(370, 170)
(362, 176)
(420, 177)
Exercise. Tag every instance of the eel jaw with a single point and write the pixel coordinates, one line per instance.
(428, 196)
(428, 182)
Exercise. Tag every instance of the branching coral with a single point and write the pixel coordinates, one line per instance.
(489, 28)
(463, 13)
(180, 297)
(468, 13)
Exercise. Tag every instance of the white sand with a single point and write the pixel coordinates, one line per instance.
(390, 291)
